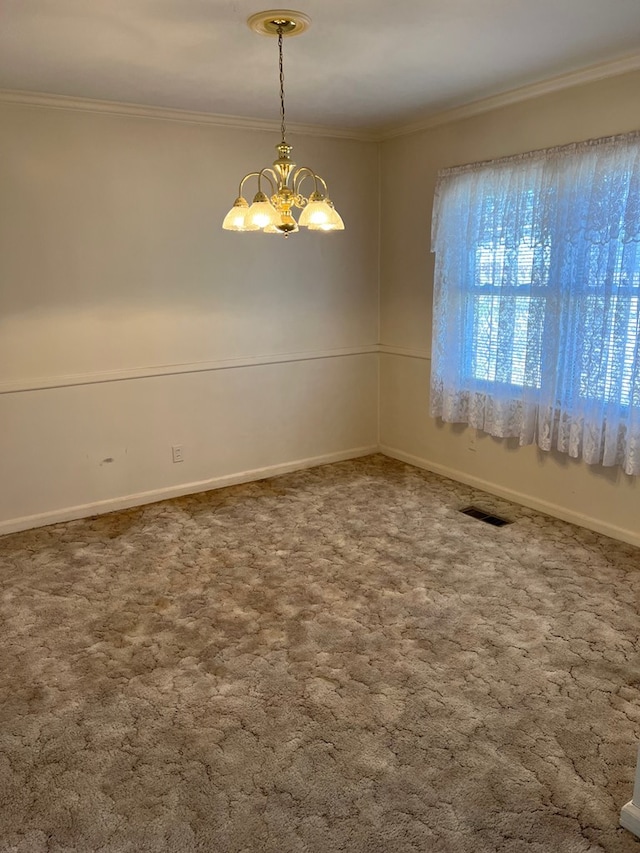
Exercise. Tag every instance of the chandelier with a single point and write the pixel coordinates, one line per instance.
(272, 212)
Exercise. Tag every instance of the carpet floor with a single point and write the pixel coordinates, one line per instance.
(331, 660)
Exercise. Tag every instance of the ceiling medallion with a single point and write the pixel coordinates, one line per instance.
(273, 213)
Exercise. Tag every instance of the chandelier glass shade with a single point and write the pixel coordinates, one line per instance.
(284, 182)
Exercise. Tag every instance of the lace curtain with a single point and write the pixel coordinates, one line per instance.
(537, 299)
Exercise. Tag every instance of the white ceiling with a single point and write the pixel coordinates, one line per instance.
(363, 63)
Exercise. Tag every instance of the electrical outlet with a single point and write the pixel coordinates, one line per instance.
(177, 453)
(472, 441)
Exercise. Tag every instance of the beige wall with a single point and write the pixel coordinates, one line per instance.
(255, 353)
(603, 499)
(130, 322)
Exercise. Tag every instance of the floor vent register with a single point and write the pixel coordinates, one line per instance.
(487, 517)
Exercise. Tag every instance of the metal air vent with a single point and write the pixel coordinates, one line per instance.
(487, 517)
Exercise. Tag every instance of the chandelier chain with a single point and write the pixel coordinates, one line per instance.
(281, 67)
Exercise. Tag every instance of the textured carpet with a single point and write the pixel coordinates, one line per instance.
(333, 660)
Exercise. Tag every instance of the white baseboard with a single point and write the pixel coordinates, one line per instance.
(27, 522)
(15, 525)
(555, 510)
(630, 818)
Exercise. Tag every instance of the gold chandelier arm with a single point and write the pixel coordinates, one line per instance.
(265, 173)
(300, 174)
(259, 176)
(271, 176)
(246, 178)
(323, 182)
(305, 172)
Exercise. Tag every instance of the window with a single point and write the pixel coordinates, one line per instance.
(537, 299)
(504, 270)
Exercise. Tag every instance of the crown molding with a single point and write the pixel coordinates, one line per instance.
(591, 74)
(65, 102)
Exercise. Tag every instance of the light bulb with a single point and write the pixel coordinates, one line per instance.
(236, 219)
(334, 222)
(262, 213)
(316, 212)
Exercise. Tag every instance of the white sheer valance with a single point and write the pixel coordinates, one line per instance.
(537, 299)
